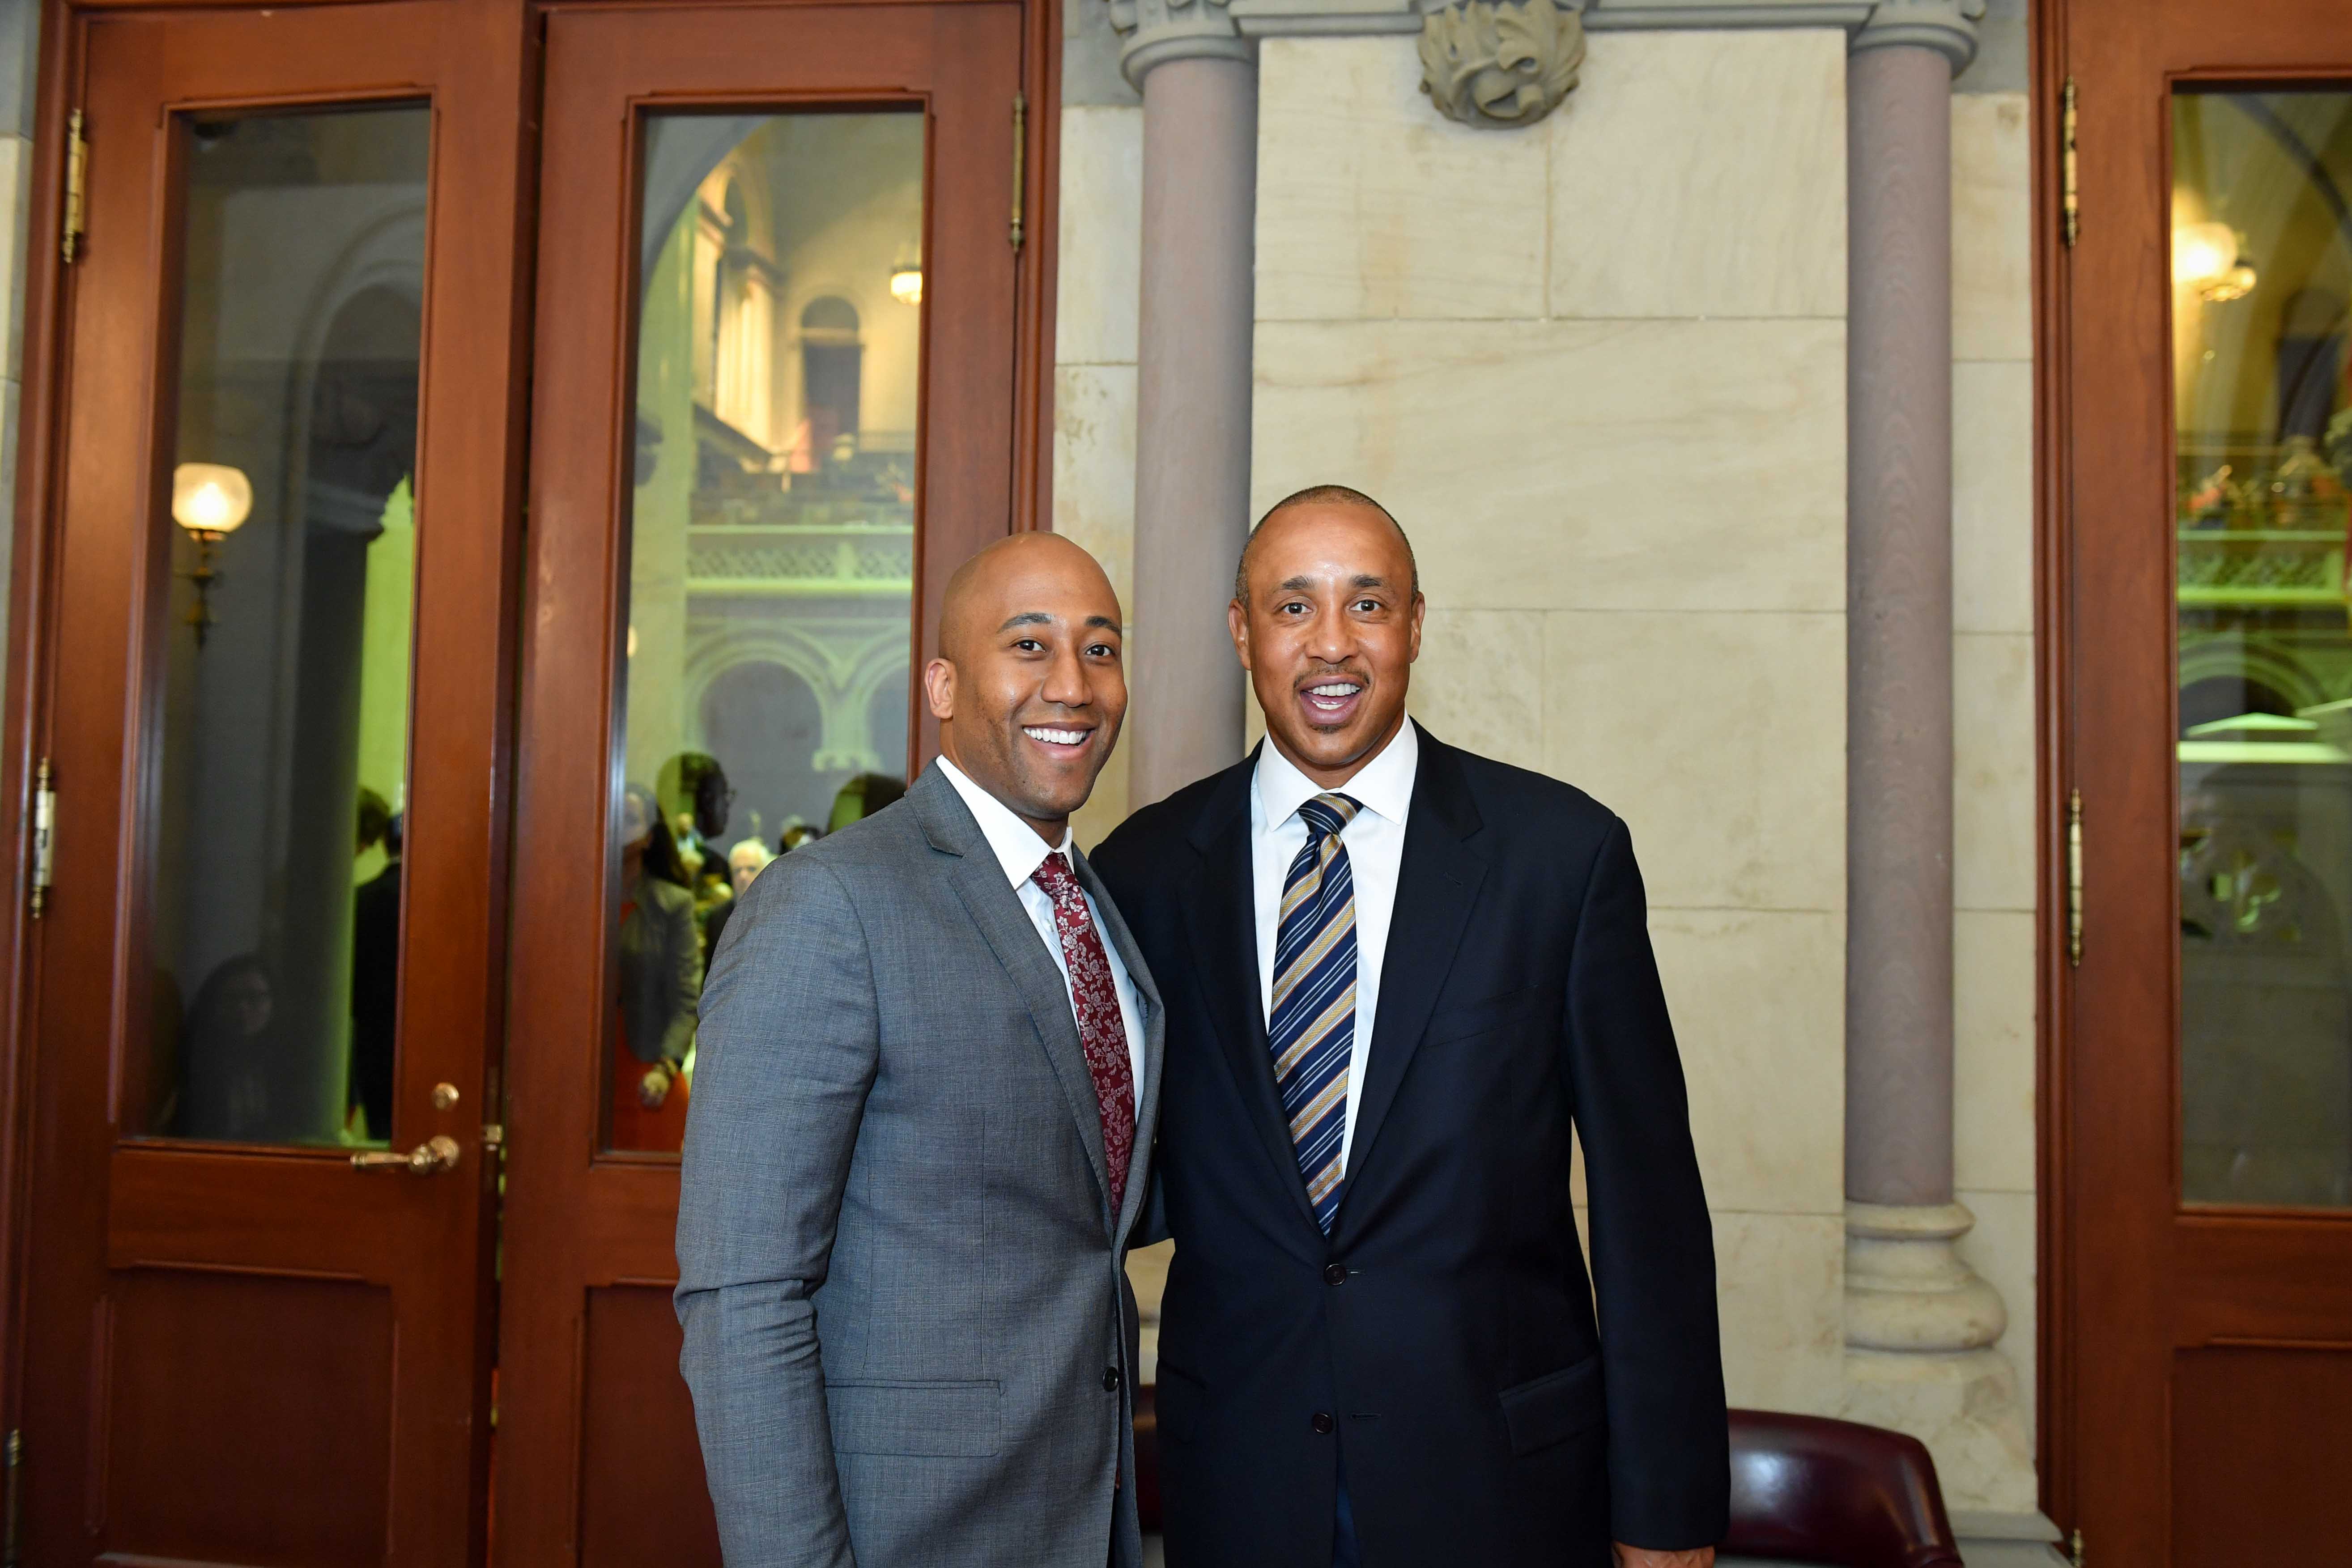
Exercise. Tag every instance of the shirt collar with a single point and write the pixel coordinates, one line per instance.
(1018, 849)
(1382, 786)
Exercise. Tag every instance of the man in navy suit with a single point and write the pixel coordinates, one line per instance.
(1398, 979)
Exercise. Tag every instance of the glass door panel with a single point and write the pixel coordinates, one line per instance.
(292, 525)
(2261, 274)
(772, 410)
(772, 540)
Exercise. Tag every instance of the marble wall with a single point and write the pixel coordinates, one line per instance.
(1598, 369)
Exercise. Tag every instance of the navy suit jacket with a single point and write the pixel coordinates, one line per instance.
(1444, 1339)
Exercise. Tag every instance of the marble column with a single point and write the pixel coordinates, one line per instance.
(1199, 80)
(1919, 1323)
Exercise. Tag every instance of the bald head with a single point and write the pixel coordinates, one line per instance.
(1318, 497)
(1029, 688)
(1011, 565)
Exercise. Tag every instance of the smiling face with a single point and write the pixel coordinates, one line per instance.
(1329, 632)
(1030, 688)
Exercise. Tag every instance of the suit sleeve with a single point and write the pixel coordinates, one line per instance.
(1652, 1244)
(790, 1048)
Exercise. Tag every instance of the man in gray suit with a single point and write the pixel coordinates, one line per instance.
(929, 1064)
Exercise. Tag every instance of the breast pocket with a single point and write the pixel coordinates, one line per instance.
(1509, 1010)
(916, 1419)
(1554, 1407)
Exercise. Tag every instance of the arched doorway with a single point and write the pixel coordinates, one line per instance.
(832, 367)
(765, 724)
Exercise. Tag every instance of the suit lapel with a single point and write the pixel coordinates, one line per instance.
(995, 910)
(1221, 924)
(1151, 1018)
(1437, 886)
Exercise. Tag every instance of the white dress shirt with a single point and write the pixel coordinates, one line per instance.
(1375, 844)
(1020, 851)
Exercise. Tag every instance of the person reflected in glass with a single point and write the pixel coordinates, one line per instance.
(660, 982)
(695, 788)
(375, 984)
(862, 796)
(232, 1060)
(744, 863)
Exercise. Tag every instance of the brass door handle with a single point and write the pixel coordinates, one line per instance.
(430, 1158)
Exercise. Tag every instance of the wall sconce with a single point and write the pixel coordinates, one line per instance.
(907, 281)
(211, 501)
(2205, 257)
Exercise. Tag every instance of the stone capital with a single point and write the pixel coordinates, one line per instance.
(1947, 27)
(1152, 31)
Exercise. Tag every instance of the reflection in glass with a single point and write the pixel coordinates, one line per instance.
(286, 658)
(2262, 262)
(771, 542)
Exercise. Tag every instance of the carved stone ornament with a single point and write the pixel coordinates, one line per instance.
(1500, 65)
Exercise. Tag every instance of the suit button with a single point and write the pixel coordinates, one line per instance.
(1323, 1424)
(1335, 1274)
(1111, 1379)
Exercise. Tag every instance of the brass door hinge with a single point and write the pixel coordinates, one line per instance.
(12, 1544)
(1020, 160)
(44, 824)
(2070, 182)
(2077, 1545)
(2074, 879)
(76, 168)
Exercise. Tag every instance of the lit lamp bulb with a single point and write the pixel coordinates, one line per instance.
(210, 498)
(211, 501)
(2205, 257)
(906, 283)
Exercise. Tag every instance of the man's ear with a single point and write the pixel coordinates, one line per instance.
(939, 689)
(1237, 623)
(1413, 649)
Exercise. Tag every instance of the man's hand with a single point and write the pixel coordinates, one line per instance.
(654, 1087)
(1642, 1557)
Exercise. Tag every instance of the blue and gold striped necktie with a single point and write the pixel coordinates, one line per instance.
(1312, 1026)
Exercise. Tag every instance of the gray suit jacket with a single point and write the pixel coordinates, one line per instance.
(900, 1277)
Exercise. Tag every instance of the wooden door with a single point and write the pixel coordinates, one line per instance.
(2202, 1120)
(277, 549)
(776, 382)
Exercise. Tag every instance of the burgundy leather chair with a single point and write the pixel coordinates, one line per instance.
(1803, 1488)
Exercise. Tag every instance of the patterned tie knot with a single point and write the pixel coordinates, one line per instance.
(1326, 815)
(1054, 875)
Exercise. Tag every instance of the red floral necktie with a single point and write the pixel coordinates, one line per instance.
(1102, 1031)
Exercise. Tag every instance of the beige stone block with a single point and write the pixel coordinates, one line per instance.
(1629, 465)
(1721, 741)
(1101, 236)
(1966, 1407)
(1992, 228)
(1370, 204)
(1702, 173)
(2001, 1250)
(1094, 466)
(1779, 1282)
(1758, 1002)
(1993, 496)
(1479, 682)
(1992, 1049)
(1147, 1273)
(15, 192)
(1992, 771)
